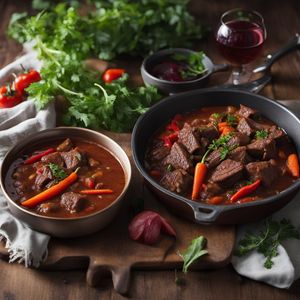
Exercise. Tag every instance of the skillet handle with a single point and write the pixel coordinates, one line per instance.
(206, 215)
(220, 68)
(290, 46)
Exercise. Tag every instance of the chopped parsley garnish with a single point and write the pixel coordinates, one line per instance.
(216, 116)
(261, 134)
(221, 145)
(267, 240)
(57, 172)
(231, 120)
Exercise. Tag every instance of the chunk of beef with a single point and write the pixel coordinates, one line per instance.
(158, 153)
(209, 132)
(66, 145)
(48, 207)
(266, 171)
(73, 159)
(72, 202)
(246, 111)
(240, 154)
(278, 135)
(238, 139)
(244, 127)
(177, 181)
(213, 159)
(44, 176)
(179, 158)
(263, 149)
(188, 137)
(227, 172)
(53, 158)
(249, 126)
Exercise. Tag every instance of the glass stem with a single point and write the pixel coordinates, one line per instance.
(237, 73)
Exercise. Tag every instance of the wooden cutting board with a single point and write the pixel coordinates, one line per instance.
(110, 251)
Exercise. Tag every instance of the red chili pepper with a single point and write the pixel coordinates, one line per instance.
(112, 74)
(37, 157)
(173, 126)
(170, 139)
(245, 191)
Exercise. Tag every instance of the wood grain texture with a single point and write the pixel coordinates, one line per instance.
(282, 20)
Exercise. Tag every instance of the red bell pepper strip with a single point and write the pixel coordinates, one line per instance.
(37, 157)
(245, 191)
(170, 139)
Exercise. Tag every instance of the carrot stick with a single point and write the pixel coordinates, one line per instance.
(216, 200)
(96, 192)
(293, 165)
(37, 157)
(200, 172)
(222, 125)
(227, 129)
(51, 192)
(245, 191)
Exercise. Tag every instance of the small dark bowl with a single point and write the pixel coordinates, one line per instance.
(171, 87)
(67, 227)
(162, 112)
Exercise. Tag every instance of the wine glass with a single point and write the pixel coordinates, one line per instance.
(240, 37)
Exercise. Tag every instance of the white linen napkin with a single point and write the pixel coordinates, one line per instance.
(23, 244)
(286, 268)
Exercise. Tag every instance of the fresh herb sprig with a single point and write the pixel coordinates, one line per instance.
(221, 145)
(267, 240)
(231, 120)
(261, 134)
(58, 173)
(194, 251)
(195, 66)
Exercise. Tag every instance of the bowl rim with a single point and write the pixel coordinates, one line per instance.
(166, 52)
(34, 136)
(191, 203)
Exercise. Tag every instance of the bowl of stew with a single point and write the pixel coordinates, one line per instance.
(65, 181)
(219, 155)
(178, 70)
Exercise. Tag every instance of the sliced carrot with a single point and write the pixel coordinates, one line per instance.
(97, 192)
(293, 165)
(227, 129)
(222, 125)
(200, 172)
(51, 192)
(215, 200)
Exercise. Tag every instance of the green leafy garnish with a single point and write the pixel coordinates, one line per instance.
(64, 39)
(215, 115)
(261, 134)
(221, 145)
(193, 252)
(194, 61)
(58, 173)
(268, 239)
(231, 120)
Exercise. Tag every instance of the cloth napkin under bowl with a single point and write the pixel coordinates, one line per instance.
(23, 244)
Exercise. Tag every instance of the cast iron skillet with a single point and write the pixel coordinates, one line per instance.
(162, 112)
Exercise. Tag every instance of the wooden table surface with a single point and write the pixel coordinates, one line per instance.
(16, 282)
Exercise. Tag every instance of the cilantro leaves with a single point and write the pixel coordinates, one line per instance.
(57, 172)
(267, 240)
(261, 134)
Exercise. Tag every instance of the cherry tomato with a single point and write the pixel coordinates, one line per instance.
(24, 80)
(9, 98)
(112, 74)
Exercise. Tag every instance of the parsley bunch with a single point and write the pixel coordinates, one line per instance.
(64, 39)
(267, 240)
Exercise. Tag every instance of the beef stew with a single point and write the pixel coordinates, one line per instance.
(242, 151)
(100, 178)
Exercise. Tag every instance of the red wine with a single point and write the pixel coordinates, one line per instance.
(240, 42)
